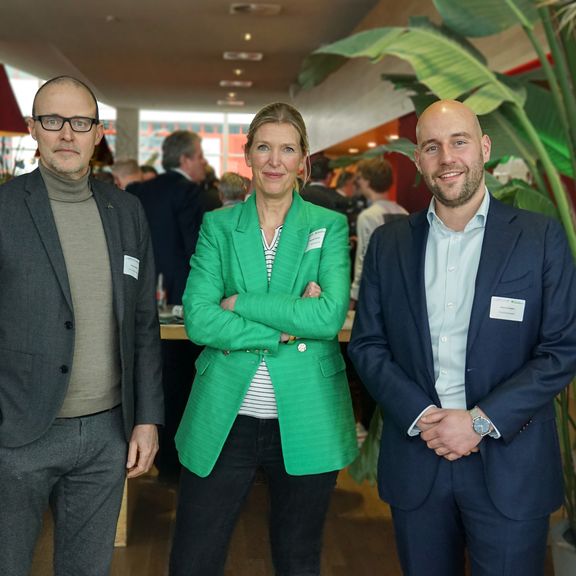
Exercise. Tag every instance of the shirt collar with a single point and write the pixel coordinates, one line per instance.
(477, 221)
(183, 173)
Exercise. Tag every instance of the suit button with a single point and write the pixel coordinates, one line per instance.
(68, 324)
(64, 369)
(302, 347)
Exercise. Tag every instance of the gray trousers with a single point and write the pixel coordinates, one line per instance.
(78, 468)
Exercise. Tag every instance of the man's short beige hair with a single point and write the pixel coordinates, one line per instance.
(125, 167)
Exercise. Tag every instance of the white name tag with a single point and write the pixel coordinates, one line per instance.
(507, 309)
(131, 266)
(316, 239)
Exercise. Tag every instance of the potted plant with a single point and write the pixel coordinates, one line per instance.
(527, 117)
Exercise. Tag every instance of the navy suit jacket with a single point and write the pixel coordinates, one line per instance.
(513, 369)
(174, 207)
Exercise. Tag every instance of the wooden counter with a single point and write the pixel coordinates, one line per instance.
(178, 332)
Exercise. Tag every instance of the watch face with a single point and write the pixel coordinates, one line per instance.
(481, 426)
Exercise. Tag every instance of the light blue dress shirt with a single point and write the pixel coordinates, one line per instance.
(451, 265)
(450, 269)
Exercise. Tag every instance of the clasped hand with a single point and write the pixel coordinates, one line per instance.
(448, 432)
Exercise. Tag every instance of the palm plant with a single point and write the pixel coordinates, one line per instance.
(526, 117)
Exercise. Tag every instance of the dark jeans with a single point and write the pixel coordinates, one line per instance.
(209, 507)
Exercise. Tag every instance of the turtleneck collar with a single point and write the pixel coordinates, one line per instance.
(63, 189)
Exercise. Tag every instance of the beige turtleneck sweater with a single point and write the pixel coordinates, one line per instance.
(95, 375)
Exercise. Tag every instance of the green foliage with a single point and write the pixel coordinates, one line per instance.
(366, 464)
(474, 18)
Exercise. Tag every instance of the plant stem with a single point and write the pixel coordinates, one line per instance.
(562, 74)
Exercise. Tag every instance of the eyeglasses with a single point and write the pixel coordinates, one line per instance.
(53, 122)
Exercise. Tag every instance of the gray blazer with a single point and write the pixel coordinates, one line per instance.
(37, 318)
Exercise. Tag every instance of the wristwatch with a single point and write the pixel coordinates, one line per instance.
(480, 424)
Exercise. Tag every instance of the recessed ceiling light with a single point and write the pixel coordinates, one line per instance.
(393, 136)
(235, 83)
(251, 56)
(253, 8)
(231, 95)
(371, 144)
(230, 103)
(353, 150)
(111, 18)
(247, 36)
(238, 71)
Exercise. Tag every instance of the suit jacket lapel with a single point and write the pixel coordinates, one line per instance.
(412, 251)
(291, 248)
(110, 222)
(500, 238)
(41, 212)
(247, 240)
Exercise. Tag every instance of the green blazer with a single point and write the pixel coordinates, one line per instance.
(309, 377)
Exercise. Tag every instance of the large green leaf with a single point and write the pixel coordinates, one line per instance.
(543, 113)
(401, 146)
(316, 68)
(475, 18)
(441, 63)
(520, 194)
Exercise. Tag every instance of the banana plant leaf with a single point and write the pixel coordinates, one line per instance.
(476, 18)
(401, 146)
(520, 194)
(443, 64)
(365, 466)
(542, 111)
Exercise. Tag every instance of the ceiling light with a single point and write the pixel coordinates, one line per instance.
(353, 150)
(235, 83)
(238, 71)
(231, 95)
(230, 103)
(253, 8)
(251, 56)
(393, 136)
(247, 36)
(371, 144)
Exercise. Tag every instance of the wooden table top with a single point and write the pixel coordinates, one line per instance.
(178, 332)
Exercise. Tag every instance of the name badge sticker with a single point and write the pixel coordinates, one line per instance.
(131, 266)
(316, 239)
(507, 309)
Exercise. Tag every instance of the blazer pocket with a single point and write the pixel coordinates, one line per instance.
(510, 286)
(201, 364)
(330, 365)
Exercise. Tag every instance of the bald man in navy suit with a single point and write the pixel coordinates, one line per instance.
(464, 334)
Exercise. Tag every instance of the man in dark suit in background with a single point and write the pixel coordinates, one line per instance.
(318, 190)
(175, 203)
(80, 391)
(465, 332)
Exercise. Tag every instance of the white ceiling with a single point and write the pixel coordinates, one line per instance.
(167, 54)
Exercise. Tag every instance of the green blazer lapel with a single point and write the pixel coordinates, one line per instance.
(110, 222)
(41, 212)
(291, 248)
(247, 240)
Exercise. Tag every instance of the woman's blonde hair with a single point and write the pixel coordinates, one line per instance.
(281, 113)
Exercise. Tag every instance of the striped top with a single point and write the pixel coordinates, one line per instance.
(260, 401)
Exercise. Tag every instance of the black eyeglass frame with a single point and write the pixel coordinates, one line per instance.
(40, 118)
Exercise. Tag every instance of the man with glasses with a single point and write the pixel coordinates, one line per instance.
(80, 382)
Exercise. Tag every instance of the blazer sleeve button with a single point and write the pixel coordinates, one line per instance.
(64, 369)
(68, 324)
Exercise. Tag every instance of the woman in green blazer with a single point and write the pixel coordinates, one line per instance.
(267, 295)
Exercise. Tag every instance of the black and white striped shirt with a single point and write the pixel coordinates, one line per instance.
(260, 401)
